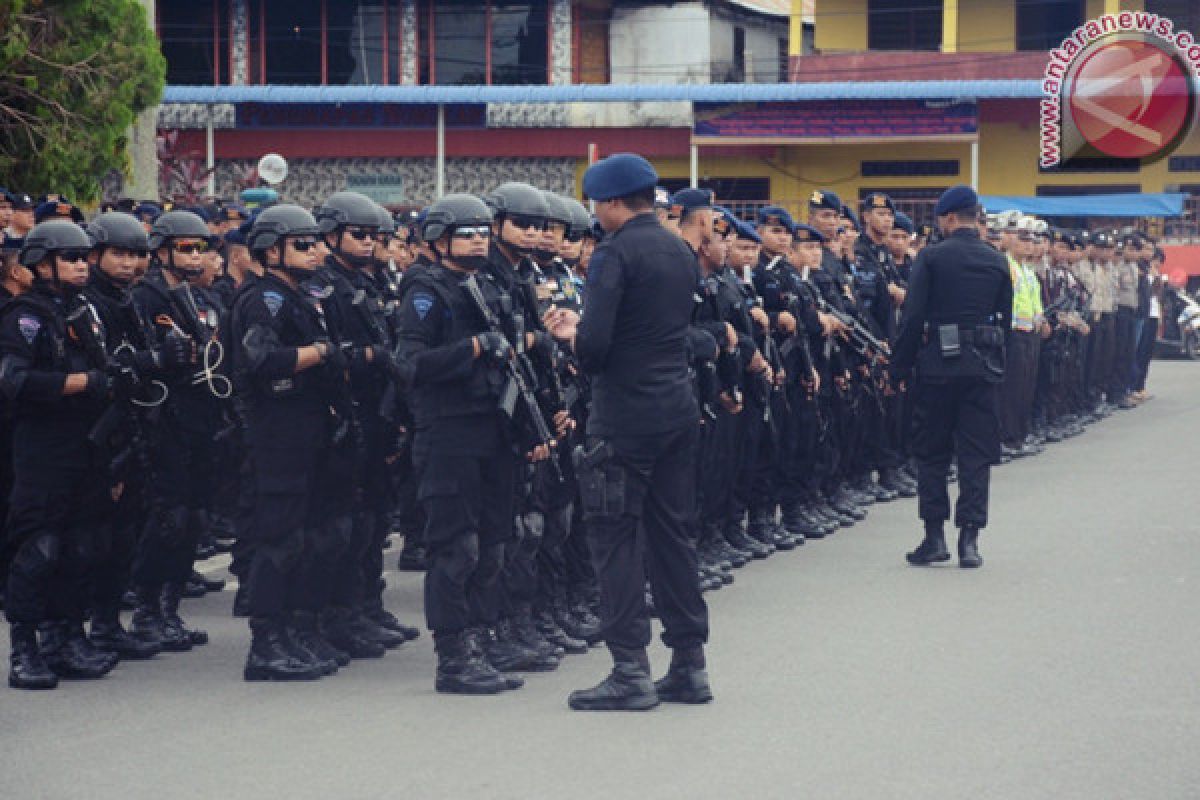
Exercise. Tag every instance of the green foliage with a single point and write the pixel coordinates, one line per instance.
(73, 75)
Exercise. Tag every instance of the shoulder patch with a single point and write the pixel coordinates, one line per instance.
(29, 326)
(273, 300)
(422, 302)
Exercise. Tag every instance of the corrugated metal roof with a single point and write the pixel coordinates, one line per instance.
(610, 93)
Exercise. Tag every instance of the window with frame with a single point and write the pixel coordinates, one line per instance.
(1044, 24)
(904, 24)
(477, 42)
(194, 38)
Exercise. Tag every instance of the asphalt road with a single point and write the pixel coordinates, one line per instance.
(1068, 667)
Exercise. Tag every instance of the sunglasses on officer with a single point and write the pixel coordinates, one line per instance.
(302, 245)
(479, 232)
(189, 246)
(525, 222)
(362, 234)
(73, 255)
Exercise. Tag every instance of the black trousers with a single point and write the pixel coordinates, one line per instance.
(1145, 352)
(1124, 349)
(649, 537)
(957, 417)
(466, 485)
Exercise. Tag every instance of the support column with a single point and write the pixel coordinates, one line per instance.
(239, 42)
(694, 169)
(560, 42)
(796, 29)
(975, 164)
(142, 183)
(409, 69)
(949, 26)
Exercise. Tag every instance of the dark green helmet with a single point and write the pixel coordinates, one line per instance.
(52, 236)
(278, 221)
(177, 225)
(117, 229)
(346, 208)
(454, 211)
(512, 198)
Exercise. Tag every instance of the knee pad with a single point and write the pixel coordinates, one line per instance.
(459, 559)
(38, 556)
(491, 562)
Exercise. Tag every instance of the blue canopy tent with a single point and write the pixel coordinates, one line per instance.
(1163, 204)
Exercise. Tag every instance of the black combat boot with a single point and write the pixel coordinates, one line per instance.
(590, 628)
(549, 628)
(627, 688)
(370, 630)
(148, 623)
(747, 544)
(173, 627)
(308, 648)
(968, 548)
(27, 668)
(686, 680)
(270, 658)
(335, 628)
(462, 670)
(543, 656)
(306, 623)
(386, 619)
(932, 548)
(108, 634)
(413, 557)
(892, 480)
(64, 653)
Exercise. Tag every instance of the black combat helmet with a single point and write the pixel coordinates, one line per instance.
(278, 221)
(177, 225)
(581, 221)
(454, 211)
(387, 223)
(512, 198)
(556, 209)
(52, 236)
(118, 229)
(347, 208)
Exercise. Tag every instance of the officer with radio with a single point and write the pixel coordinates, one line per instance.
(956, 315)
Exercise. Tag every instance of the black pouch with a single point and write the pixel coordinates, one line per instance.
(601, 479)
(948, 341)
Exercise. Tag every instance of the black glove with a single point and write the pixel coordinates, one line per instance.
(99, 384)
(335, 357)
(494, 346)
(177, 351)
(544, 346)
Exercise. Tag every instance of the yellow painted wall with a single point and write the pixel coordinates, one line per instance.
(987, 26)
(840, 25)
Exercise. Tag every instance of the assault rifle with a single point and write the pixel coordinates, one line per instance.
(517, 387)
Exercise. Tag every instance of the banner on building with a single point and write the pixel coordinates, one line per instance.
(824, 121)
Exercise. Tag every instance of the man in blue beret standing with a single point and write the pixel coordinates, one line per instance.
(635, 470)
(956, 317)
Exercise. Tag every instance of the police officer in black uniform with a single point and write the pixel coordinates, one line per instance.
(284, 363)
(60, 508)
(120, 240)
(183, 435)
(462, 447)
(956, 315)
(636, 483)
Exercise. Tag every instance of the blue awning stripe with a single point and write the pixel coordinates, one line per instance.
(1162, 204)
(610, 93)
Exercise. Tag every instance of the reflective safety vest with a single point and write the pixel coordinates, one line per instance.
(1027, 296)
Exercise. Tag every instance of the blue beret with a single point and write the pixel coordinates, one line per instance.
(775, 215)
(745, 230)
(724, 222)
(688, 199)
(956, 198)
(878, 200)
(823, 198)
(904, 222)
(147, 212)
(20, 201)
(234, 213)
(617, 176)
(852, 217)
(807, 233)
(56, 208)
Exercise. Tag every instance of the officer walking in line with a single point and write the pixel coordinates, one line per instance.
(956, 315)
(635, 469)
